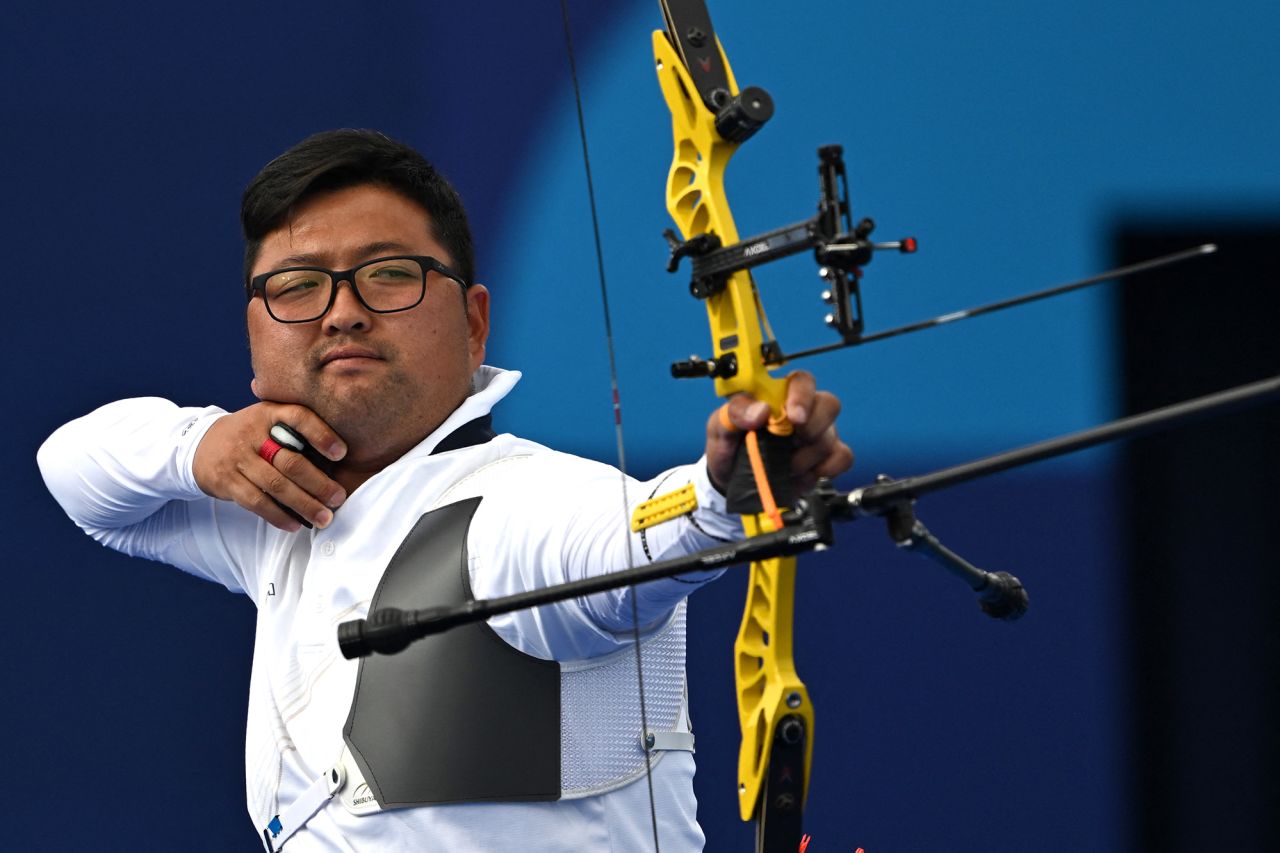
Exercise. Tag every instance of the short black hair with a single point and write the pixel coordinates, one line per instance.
(337, 159)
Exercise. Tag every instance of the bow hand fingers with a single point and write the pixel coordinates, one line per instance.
(818, 450)
(823, 456)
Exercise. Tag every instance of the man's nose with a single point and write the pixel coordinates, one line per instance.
(347, 312)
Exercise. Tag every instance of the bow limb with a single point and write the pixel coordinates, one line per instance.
(774, 710)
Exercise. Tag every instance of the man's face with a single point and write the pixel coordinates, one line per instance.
(380, 380)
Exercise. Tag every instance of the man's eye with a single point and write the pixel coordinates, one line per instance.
(392, 273)
(294, 288)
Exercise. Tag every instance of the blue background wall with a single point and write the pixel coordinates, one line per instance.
(1007, 137)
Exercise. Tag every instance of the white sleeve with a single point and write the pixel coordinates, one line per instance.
(561, 518)
(123, 474)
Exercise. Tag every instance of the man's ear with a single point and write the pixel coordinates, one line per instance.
(477, 322)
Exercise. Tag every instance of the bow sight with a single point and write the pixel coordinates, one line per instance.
(840, 247)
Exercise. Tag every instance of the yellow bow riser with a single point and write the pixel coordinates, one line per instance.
(771, 696)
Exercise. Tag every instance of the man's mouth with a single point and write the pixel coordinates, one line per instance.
(348, 355)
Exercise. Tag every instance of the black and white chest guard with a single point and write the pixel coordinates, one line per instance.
(465, 717)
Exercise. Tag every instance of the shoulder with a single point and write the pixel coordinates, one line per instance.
(509, 463)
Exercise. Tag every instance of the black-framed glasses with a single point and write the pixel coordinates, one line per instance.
(383, 285)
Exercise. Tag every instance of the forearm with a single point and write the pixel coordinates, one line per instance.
(705, 527)
(123, 474)
(555, 518)
(120, 464)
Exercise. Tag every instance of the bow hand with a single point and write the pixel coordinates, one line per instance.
(816, 448)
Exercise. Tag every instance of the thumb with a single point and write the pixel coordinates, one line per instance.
(742, 413)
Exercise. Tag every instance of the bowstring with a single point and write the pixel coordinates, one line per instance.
(617, 415)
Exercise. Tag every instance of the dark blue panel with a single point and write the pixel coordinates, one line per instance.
(938, 728)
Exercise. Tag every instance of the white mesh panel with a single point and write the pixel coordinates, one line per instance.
(600, 726)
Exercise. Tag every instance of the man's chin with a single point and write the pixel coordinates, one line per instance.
(358, 410)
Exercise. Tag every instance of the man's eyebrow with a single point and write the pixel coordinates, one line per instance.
(368, 250)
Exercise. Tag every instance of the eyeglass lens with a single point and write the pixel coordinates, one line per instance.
(391, 284)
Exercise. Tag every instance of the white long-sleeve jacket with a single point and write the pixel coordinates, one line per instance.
(123, 474)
